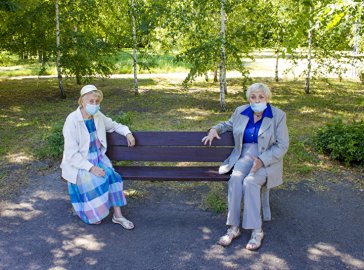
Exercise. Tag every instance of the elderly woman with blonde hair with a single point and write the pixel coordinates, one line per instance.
(94, 186)
(261, 140)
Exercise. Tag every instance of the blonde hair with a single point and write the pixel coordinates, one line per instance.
(95, 92)
(259, 87)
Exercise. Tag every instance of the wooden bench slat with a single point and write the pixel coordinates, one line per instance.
(171, 173)
(169, 154)
(173, 146)
(169, 138)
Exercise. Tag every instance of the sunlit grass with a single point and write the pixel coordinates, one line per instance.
(31, 106)
(28, 69)
(123, 65)
(150, 63)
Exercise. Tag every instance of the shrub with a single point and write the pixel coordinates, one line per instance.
(216, 202)
(215, 199)
(54, 142)
(6, 59)
(361, 76)
(342, 141)
(360, 72)
(124, 118)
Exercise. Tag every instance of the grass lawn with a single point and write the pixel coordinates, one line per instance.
(148, 63)
(30, 107)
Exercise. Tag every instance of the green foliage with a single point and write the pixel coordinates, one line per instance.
(196, 29)
(8, 6)
(216, 201)
(86, 56)
(360, 71)
(124, 118)
(148, 63)
(92, 32)
(6, 59)
(361, 76)
(29, 30)
(54, 143)
(342, 141)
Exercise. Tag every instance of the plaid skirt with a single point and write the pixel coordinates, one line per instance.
(92, 196)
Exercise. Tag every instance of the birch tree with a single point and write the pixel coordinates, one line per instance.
(58, 64)
(282, 30)
(223, 85)
(309, 51)
(133, 12)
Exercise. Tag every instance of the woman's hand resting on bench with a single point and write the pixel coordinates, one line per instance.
(130, 139)
(210, 137)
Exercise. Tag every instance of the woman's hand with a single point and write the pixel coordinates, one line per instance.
(257, 164)
(131, 140)
(210, 137)
(97, 171)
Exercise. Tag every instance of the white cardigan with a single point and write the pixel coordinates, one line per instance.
(77, 141)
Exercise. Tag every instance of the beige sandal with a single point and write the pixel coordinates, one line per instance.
(230, 235)
(255, 241)
(127, 224)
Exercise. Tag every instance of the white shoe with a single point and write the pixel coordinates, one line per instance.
(231, 234)
(255, 241)
(127, 224)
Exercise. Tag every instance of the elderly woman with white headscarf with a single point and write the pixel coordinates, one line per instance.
(94, 186)
(261, 140)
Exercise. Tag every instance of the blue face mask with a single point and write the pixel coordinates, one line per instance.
(92, 109)
(258, 107)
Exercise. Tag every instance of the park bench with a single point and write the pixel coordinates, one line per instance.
(172, 146)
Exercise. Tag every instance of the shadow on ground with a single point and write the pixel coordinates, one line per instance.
(310, 230)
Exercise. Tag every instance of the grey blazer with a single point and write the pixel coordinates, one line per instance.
(272, 142)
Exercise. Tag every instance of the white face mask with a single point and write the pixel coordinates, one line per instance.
(258, 107)
(92, 109)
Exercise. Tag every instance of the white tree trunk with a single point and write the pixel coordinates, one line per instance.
(136, 91)
(58, 60)
(223, 86)
(277, 51)
(215, 75)
(276, 77)
(356, 48)
(309, 61)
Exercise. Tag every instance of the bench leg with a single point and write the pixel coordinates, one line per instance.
(265, 204)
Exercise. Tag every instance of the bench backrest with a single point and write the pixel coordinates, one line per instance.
(166, 146)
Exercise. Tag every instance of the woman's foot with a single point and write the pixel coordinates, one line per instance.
(255, 241)
(232, 233)
(127, 224)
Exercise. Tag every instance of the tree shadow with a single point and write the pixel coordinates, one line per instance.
(172, 232)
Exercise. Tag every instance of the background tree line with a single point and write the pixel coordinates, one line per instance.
(210, 35)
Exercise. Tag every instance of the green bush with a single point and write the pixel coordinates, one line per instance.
(361, 76)
(54, 142)
(124, 118)
(216, 201)
(6, 59)
(360, 72)
(342, 141)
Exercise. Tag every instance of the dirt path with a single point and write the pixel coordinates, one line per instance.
(310, 230)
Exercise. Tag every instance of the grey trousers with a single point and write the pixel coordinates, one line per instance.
(248, 184)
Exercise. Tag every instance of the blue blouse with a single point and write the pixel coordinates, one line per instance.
(252, 129)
